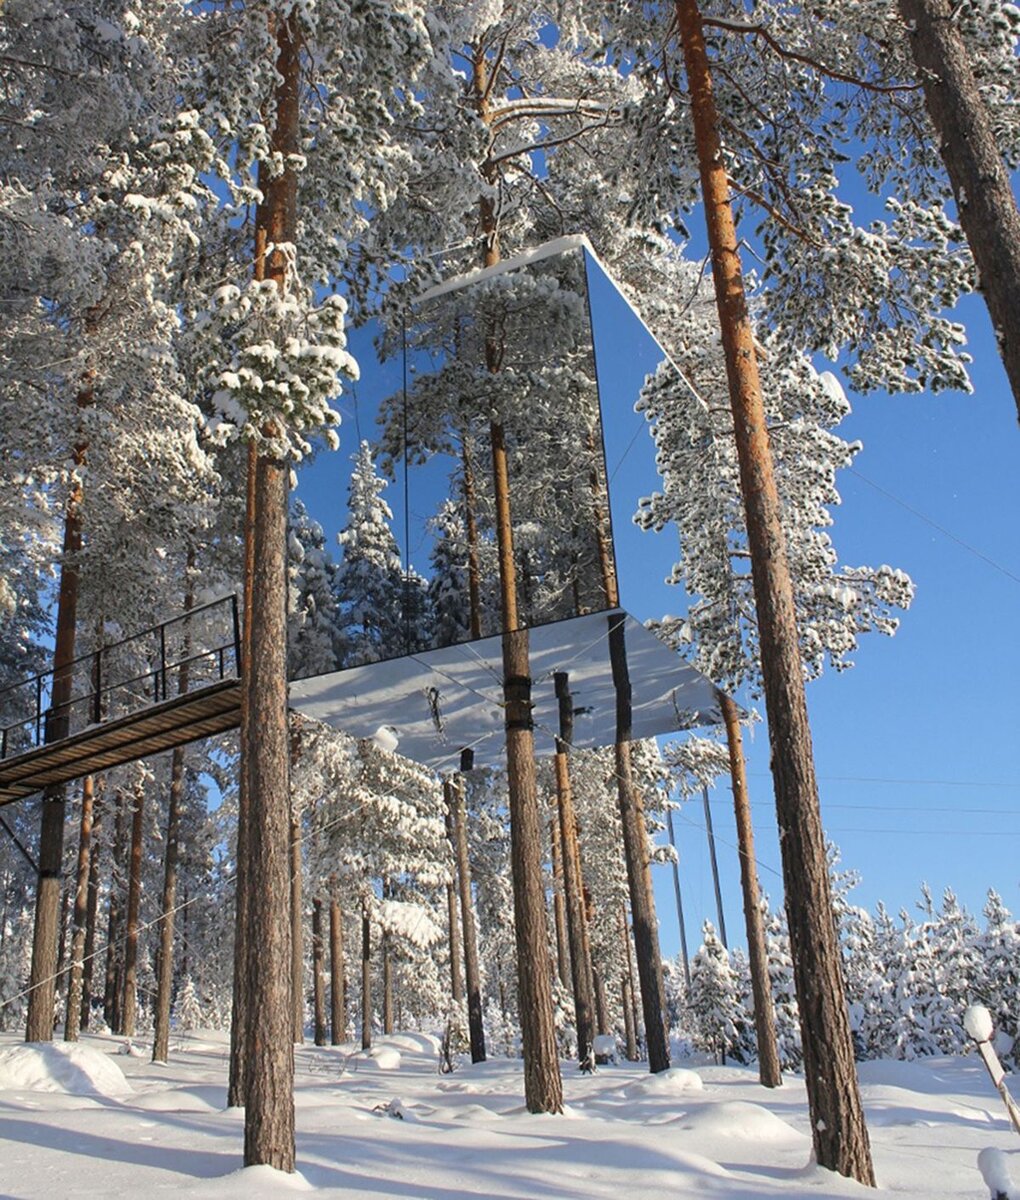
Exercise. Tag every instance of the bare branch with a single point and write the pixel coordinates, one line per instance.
(760, 31)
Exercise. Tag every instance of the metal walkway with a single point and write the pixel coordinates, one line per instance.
(167, 686)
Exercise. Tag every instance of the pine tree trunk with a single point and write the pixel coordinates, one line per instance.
(65, 910)
(43, 975)
(130, 1010)
(165, 954)
(318, 974)
(636, 853)
(455, 805)
(563, 969)
(387, 970)
(627, 994)
(297, 939)
(601, 1003)
(92, 909)
(165, 959)
(337, 974)
(837, 1117)
(679, 904)
(453, 919)
(114, 948)
(387, 974)
(580, 959)
(72, 1014)
(239, 1011)
(769, 1071)
(269, 1044)
(543, 1086)
(714, 862)
(185, 902)
(985, 202)
(366, 977)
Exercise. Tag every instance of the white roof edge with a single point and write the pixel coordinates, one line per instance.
(573, 241)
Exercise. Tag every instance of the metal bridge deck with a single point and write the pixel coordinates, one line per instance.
(175, 722)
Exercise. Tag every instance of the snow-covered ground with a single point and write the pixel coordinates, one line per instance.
(91, 1121)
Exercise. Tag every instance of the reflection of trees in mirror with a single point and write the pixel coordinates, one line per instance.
(515, 348)
(383, 607)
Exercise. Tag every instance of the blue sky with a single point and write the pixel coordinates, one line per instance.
(915, 745)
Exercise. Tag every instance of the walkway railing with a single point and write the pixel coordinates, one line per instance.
(200, 647)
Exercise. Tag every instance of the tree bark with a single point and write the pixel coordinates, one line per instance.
(769, 1071)
(165, 956)
(837, 1117)
(627, 993)
(636, 853)
(165, 960)
(455, 806)
(543, 1086)
(387, 971)
(714, 861)
(985, 202)
(387, 974)
(337, 975)
(269, 1045)
(297, 966)
(130, 1010)
(269, 1049)
(72, 1015)
(43, 975)
(601, 1005)
(366, 977)
(563, 971)
(113, 992)
(92, 910)
(239, 1010)
(453, 924)
(679, 903)
(65, 910)
(318, 974)
(580, 959)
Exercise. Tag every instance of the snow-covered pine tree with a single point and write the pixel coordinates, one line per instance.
(783, 988)
(448, 582)
(188, 1013)
(947, 964)
(90, 275)
(313, 628)
(997, 980)
(371, 589)
(715, 998)
(312, 149)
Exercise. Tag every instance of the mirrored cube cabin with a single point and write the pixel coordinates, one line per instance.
(543, 355)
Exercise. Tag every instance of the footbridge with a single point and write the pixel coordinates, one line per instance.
(164, 687)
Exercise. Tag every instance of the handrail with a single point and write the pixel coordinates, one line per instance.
(134, 637)
(98, 662)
